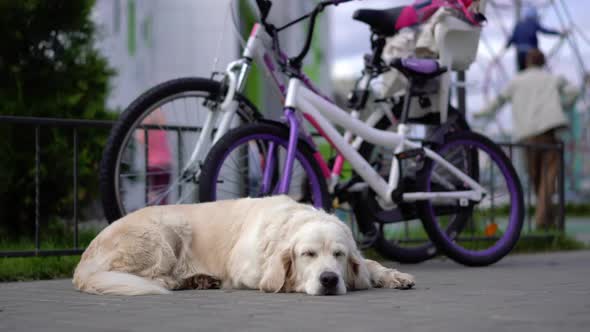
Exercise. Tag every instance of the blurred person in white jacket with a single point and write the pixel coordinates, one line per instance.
(538, 98)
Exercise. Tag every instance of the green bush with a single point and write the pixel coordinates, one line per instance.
(49, 67)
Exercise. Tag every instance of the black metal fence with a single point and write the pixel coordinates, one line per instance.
(40, 124)
(76, 126)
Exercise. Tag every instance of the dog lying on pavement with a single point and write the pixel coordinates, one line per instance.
(273, 244)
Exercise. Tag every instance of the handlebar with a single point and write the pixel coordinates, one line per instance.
(296, 61)
(264, 7)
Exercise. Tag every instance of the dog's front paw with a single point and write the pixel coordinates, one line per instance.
(202, 281)
(207, 282)
(394, 279)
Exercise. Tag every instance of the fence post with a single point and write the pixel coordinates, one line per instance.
(37, 185)
(461, 92)
(75, 188)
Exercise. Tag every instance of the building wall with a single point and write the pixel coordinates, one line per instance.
(151, 41)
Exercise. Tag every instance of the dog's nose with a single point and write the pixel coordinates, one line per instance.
(329, 279)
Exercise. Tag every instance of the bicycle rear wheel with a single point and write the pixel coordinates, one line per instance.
(148, 148)
(407, 241)
(495, 224)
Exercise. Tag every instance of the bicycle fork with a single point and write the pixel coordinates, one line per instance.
(291, 150)
(226, 109)
(334, 174)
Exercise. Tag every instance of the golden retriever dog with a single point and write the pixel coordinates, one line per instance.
(273, 244)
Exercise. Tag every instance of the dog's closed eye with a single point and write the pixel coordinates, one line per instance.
(309, 253)
(339, 254)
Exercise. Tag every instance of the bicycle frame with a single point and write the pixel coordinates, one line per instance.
(301, 98)
(302, 95)
(259, 49)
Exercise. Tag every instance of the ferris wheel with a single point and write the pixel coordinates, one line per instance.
(504, 14)
(563, 54)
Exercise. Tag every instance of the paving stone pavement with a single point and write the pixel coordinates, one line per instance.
(543, 292)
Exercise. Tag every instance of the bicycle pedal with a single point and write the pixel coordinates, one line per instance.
(336, 203)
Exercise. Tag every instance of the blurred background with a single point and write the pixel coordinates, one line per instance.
(151, 41)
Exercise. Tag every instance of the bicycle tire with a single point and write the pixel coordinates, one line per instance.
(387, 248)
(261, 131)
(451, 246)
(131, 118)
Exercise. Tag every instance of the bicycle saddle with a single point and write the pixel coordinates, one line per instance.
(381, 21)
(418, 68)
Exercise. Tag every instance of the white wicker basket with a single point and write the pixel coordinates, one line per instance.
(457, 42)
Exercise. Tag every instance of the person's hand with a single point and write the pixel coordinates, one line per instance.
(478, 119)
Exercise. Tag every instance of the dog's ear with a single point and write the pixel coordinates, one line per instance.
(278, 274)
(357, 273)
(357, 276)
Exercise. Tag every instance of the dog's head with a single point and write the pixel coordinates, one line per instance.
(320, 258)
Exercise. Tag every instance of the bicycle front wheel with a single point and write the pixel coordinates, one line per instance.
(146, 156)
(248, 162)
(496, 220)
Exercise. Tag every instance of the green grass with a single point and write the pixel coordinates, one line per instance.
(55, 236)
(530, 242)
(37, 268)
(577, 210)
(558, 242)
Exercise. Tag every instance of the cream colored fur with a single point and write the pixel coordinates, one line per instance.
(262, 243)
